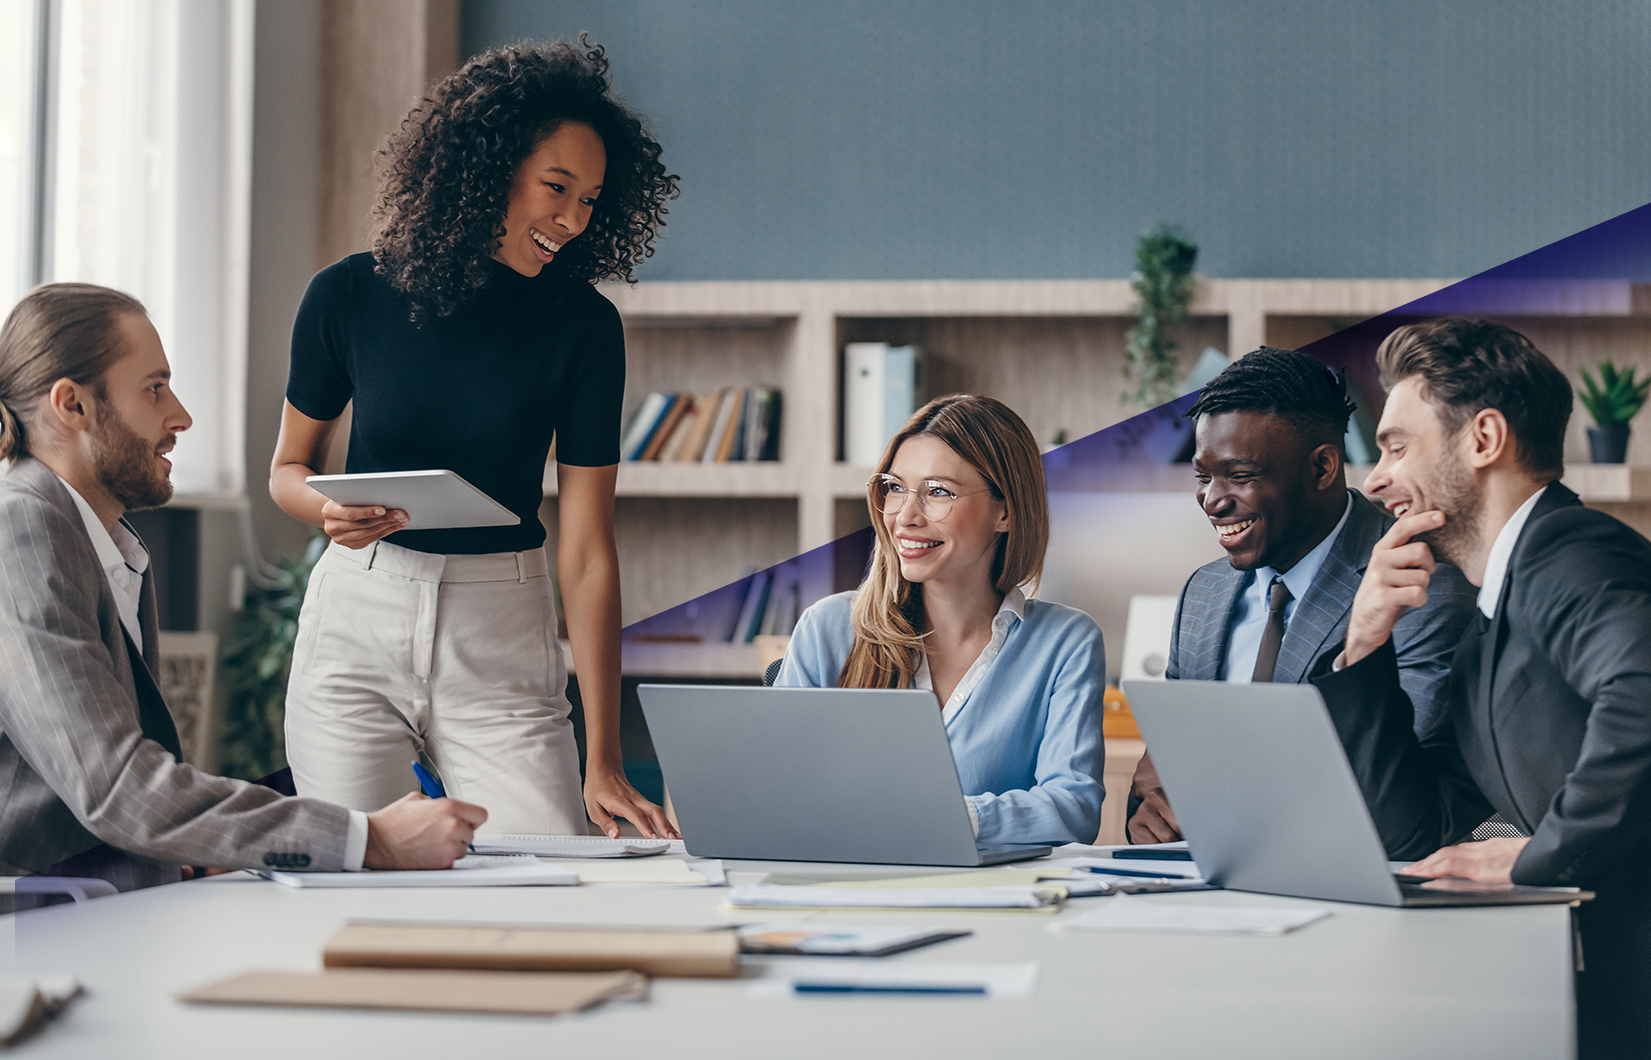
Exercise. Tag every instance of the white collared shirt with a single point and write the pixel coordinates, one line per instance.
(124, 559)
(1011, 611)
(1501, 551)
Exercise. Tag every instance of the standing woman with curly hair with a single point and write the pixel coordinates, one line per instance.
(469, 339)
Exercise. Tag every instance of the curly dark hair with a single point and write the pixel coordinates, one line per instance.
(1285, 383)
(445, 174)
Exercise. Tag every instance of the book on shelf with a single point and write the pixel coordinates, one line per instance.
(693, 409)
(673, 415)
(781, 614)
(762, 424)
(770, 607)
(705, 418)
(642, 424)
(749, 622)
(719, 425)
(733, 435)
(730, 424)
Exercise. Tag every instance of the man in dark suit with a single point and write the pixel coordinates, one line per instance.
(1272, 482)
(1548, 712)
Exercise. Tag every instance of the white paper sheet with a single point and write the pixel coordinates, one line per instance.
(658, 872)
(775, 896)
(994, 979)
(1133, 866)
(1124, 913)
(473, 871)
(569, 846)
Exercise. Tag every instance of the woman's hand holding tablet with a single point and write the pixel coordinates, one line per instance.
(357, 526)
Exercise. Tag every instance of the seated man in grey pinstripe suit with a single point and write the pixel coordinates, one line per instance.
(88, 750)
(1272, 482)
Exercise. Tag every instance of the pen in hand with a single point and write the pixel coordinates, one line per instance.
(427, 781)
(428, 784)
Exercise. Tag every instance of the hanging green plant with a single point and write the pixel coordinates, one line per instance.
(1164, 282)
(256, 664)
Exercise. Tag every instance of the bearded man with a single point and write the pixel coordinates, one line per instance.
(1549, 706)
(88, 751)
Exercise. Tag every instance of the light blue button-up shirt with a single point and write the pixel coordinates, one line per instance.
(1026, 738)
(1249, 618)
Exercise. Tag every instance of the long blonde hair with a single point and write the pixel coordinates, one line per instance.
(888, 609)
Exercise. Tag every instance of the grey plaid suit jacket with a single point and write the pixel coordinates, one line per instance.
(1425, 637)
(76, 767)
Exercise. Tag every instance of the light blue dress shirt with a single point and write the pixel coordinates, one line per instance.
(1249, 618)
(1026, 739)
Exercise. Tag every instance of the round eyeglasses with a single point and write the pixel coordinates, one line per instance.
(934, 499)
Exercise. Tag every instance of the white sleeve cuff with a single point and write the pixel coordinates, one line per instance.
(355, 844)
(974, 817)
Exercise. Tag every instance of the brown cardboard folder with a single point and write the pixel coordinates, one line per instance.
(698, 954)
(520, 993)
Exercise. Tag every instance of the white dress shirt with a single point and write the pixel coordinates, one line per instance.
(1012, 610)
(1501, 551)
(124, 559)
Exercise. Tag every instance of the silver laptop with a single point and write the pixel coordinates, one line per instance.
(1268, 802)
(814, 774)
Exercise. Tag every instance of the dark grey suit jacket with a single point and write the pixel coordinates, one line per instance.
(1548, 721)
(84, 753)
(1426, 637)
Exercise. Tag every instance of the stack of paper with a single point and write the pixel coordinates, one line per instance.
(1102, 859)
(519, 871)
(1141, 914)
(569, 846)
(838, 940)
(515, 993)
(655, 871)
(414, 944)
(776, 896)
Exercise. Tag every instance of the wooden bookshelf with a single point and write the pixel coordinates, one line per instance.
(1052, 349)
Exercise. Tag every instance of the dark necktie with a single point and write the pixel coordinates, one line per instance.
(1267, 658)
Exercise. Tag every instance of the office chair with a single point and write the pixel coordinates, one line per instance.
(773, 671)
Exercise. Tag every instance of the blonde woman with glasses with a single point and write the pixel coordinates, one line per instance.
(962, 520)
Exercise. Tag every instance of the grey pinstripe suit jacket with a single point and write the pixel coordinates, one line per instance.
(1425, 637)
(75, 766)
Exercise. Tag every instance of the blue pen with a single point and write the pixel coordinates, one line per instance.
(1134, 872)
(427, 782)
(848, 988)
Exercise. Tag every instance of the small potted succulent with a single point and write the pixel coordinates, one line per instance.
(1612, 401)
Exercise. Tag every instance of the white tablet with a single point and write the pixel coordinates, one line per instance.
(433, 500)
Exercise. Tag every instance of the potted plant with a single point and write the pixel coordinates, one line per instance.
(1614, 400)
(1165, 283)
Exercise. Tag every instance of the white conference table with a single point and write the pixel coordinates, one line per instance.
(1367, 982)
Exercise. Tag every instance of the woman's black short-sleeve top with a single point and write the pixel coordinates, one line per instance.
(480, 392)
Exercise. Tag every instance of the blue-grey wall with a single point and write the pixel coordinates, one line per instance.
(1037, 138)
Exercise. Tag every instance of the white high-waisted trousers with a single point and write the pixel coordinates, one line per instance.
(401, 651)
